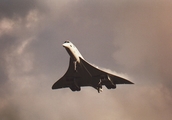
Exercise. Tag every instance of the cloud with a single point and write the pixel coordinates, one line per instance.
(17, 8)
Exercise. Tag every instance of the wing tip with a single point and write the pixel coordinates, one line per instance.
(130, 82)
(53, 87)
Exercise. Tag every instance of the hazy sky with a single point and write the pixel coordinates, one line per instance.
(131, 37)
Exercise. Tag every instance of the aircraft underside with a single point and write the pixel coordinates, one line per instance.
(95, 82)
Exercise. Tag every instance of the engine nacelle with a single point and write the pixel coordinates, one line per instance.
(108, 82)
(75, 86)
(110, 86)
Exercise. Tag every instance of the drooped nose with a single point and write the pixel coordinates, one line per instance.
(65, 45)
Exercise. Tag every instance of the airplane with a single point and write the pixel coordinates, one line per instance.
(81, 73)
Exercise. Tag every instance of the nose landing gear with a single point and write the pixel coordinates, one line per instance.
(75, 66)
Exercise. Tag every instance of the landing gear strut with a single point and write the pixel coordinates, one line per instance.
(99, 86)
(75, 66)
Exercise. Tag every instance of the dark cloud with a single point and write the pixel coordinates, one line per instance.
(132, 38)
(16, 8)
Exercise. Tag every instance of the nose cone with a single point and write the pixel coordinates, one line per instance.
(65, 45)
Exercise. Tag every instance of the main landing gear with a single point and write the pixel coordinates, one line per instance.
(99, 86)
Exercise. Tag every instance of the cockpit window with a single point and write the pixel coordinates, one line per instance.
(66, 41)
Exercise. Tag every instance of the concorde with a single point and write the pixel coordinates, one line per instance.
(81, 73)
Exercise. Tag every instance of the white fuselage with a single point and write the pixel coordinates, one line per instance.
(72, 51)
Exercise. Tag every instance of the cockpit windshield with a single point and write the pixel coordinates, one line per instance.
(67, 41)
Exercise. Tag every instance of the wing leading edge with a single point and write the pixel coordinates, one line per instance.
(98, 73)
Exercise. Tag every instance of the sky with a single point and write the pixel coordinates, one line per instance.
(130, 37)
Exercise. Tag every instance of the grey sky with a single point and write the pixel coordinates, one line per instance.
(131, 37)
